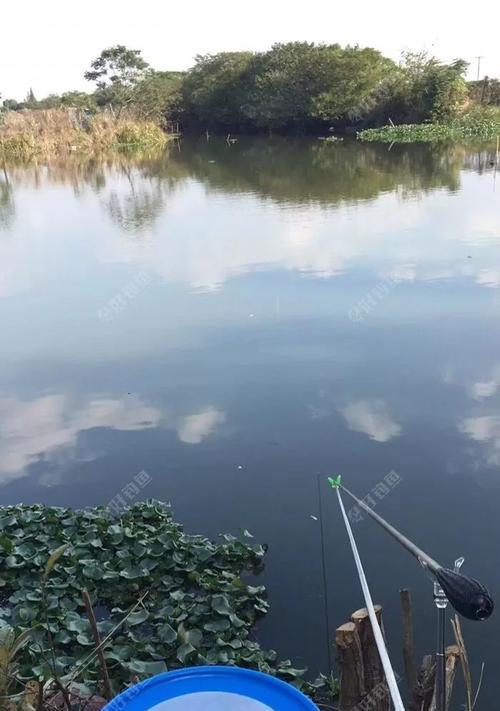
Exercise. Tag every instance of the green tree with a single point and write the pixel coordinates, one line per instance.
(288, 78)
(30, 102)
(11, 105)
(117, 71)
(158, 97)
(78, 100)
(354, 77)
(52, 101)
(423, 89)
(216, 90)
(294, 86)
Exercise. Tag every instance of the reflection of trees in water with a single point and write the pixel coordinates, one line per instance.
(138, 208)
(301, 171)
(79, 170)
(149, 185)
(7, 206)
(294, 171)
(482, 160)
(131, 208)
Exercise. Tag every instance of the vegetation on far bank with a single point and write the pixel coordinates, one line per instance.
(296, 87)
(477, 123)
(162, 599)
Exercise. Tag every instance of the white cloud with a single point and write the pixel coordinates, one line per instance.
(485, 389)
(372, 418)
(485, 430)
(193, 429)
(482, 429)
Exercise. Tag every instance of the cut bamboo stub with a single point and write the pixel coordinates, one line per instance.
(361, 672)
(362, 680)
(350, 661)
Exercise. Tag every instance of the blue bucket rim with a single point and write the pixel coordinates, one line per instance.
(262, 687)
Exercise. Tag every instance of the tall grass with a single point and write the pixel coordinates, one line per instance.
(26, 134)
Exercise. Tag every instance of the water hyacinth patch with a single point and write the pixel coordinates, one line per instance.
(165, 599)
(482, 124)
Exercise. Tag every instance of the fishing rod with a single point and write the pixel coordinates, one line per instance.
(468, 596)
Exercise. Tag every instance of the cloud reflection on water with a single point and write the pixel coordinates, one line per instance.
(48, 428)
(371, 417)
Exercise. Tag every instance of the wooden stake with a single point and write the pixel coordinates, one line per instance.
(408, 644)
(108, 691)
(350, 661)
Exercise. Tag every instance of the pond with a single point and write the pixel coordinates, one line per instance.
(226, 325)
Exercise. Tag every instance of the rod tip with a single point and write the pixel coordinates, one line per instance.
(335, 483)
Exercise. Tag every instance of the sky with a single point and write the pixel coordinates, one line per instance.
(48, 44)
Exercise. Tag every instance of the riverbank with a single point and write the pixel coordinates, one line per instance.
(45, 134)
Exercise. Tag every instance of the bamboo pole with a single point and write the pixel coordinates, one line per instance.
(408, 643)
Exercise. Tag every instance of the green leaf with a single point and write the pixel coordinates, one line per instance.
(120, 653)
(136, 618)
(12, 562)
(190, 636)
(7, 521)
(94, 572)
(185, 651)
(6, 544)
(221, 605)
(75, 623)
(147, 668)
(62, 637)
(132, 572)
(27, 613)
(166, 633)
(220, 625)
(116, 533)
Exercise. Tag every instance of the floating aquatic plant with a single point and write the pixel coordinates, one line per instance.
(468, 127)
(164, 598)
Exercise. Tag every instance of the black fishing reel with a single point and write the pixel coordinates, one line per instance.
(468, 596)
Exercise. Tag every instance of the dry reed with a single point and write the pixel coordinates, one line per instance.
(26, 134)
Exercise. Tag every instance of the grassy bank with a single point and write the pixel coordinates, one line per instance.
(162, 599)
(30, 134)
(478, 124)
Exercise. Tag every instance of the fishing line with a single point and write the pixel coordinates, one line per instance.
(325, 582)
(379, 640)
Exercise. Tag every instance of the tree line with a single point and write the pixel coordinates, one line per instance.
(295, 87)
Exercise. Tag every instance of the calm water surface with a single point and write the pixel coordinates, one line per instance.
(237, 320)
